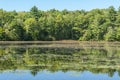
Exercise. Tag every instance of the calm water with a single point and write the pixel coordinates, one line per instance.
(60, 61)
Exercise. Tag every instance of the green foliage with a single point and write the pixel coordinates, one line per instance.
(35, 12)
(110, 35)
(97, 24)
(118, 34)
(1, 33)
(14, 30)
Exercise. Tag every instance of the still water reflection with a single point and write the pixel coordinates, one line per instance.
(60, 61)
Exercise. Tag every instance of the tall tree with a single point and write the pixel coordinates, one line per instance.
(35, 12)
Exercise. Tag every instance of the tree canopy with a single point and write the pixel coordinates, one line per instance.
(95, 25)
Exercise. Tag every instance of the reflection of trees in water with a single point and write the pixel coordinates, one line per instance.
(34, 70)
(96, 60)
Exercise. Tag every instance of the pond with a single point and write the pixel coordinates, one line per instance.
(59, 60)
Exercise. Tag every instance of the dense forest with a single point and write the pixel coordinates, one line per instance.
(93, 25)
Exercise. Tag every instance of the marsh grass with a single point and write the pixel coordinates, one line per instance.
(61, 44)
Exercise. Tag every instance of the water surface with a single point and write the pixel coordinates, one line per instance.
(60, 61)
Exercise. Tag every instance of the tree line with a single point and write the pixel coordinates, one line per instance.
(93, 25)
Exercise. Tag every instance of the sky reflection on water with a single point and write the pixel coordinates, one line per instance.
(46, 75)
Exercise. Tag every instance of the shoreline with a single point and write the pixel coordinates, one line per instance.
(59, 41)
